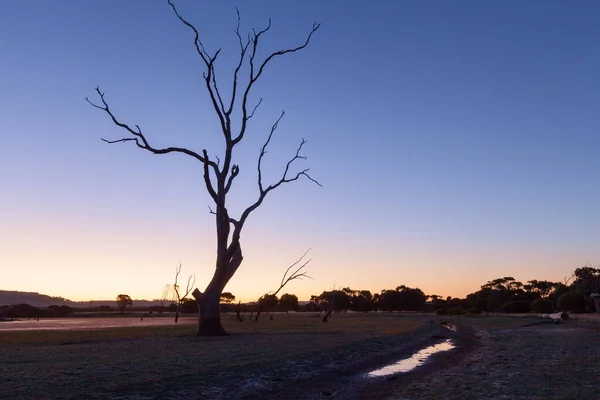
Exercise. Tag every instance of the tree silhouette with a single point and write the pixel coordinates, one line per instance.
(124, 301)
(178, 295)
(220, 172)
(288, 302)
(292, 273)
(227, 298)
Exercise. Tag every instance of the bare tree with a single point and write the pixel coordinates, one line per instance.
(220, 173)
(166, 295)
(298, 273)
(177, 297)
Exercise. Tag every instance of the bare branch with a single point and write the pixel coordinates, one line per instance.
(190, 284)
(243, 49)
(284, 179)
(216, 88)
(209, 76)
(254, 110)
(263, 150)
(138, 135)
(207, 181)
(197, 43)
(253, 78)
(315, 27)
(297, 273)
(177, 295)
(235, 170)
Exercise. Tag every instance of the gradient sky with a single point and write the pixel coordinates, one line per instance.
(456, 141)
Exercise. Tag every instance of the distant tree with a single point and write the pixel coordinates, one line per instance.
(515, 306)
(188, 306)
(587, 280)
(227, 298)
(438, 301)
(333, 301)
(23, 311)
(572, 301)
(178, 295)
(288, 302)
(60, 311)
(540, 288)
(234, 113)
(402, 298)
(124, 301)
(268, 302)
(542, 306)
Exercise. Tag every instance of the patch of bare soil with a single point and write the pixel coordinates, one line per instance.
(534, 362)
(494, 358)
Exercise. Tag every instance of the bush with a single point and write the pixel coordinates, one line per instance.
(456, 311)
(542, 306)
(23, 311)
(520, 306)
(442, 311)
(474, 310)
(482, 304)
(572, 301)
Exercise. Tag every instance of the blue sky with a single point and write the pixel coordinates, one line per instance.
(456, 142)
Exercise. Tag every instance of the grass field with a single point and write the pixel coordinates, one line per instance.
(161, 362)
(364, 325)
(297, 356)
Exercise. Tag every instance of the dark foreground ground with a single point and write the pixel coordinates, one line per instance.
(298, 357)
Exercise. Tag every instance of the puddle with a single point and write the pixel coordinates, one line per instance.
(416, 360)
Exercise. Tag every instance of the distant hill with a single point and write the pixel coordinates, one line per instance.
(12, 297)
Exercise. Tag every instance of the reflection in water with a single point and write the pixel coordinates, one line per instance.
(416, 360)
(446, 325)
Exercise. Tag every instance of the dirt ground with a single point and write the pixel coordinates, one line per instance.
(512, 361)
(495, 357)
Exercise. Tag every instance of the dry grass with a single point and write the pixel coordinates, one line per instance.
(365, 325)
(100, 364)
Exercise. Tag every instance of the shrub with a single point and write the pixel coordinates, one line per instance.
(572, 301)
(442, 311)
(456, 311)
(520, 306)
(23, 311)
(474, 310)
(542, 306)
(481, 304)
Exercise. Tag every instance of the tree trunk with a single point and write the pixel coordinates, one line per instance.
(229, 259)
(209, 315)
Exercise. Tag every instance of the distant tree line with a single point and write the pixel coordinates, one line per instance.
(578, 293)
(29, 311)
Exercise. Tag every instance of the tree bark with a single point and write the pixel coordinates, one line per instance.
(209, 302)
(209, 312)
